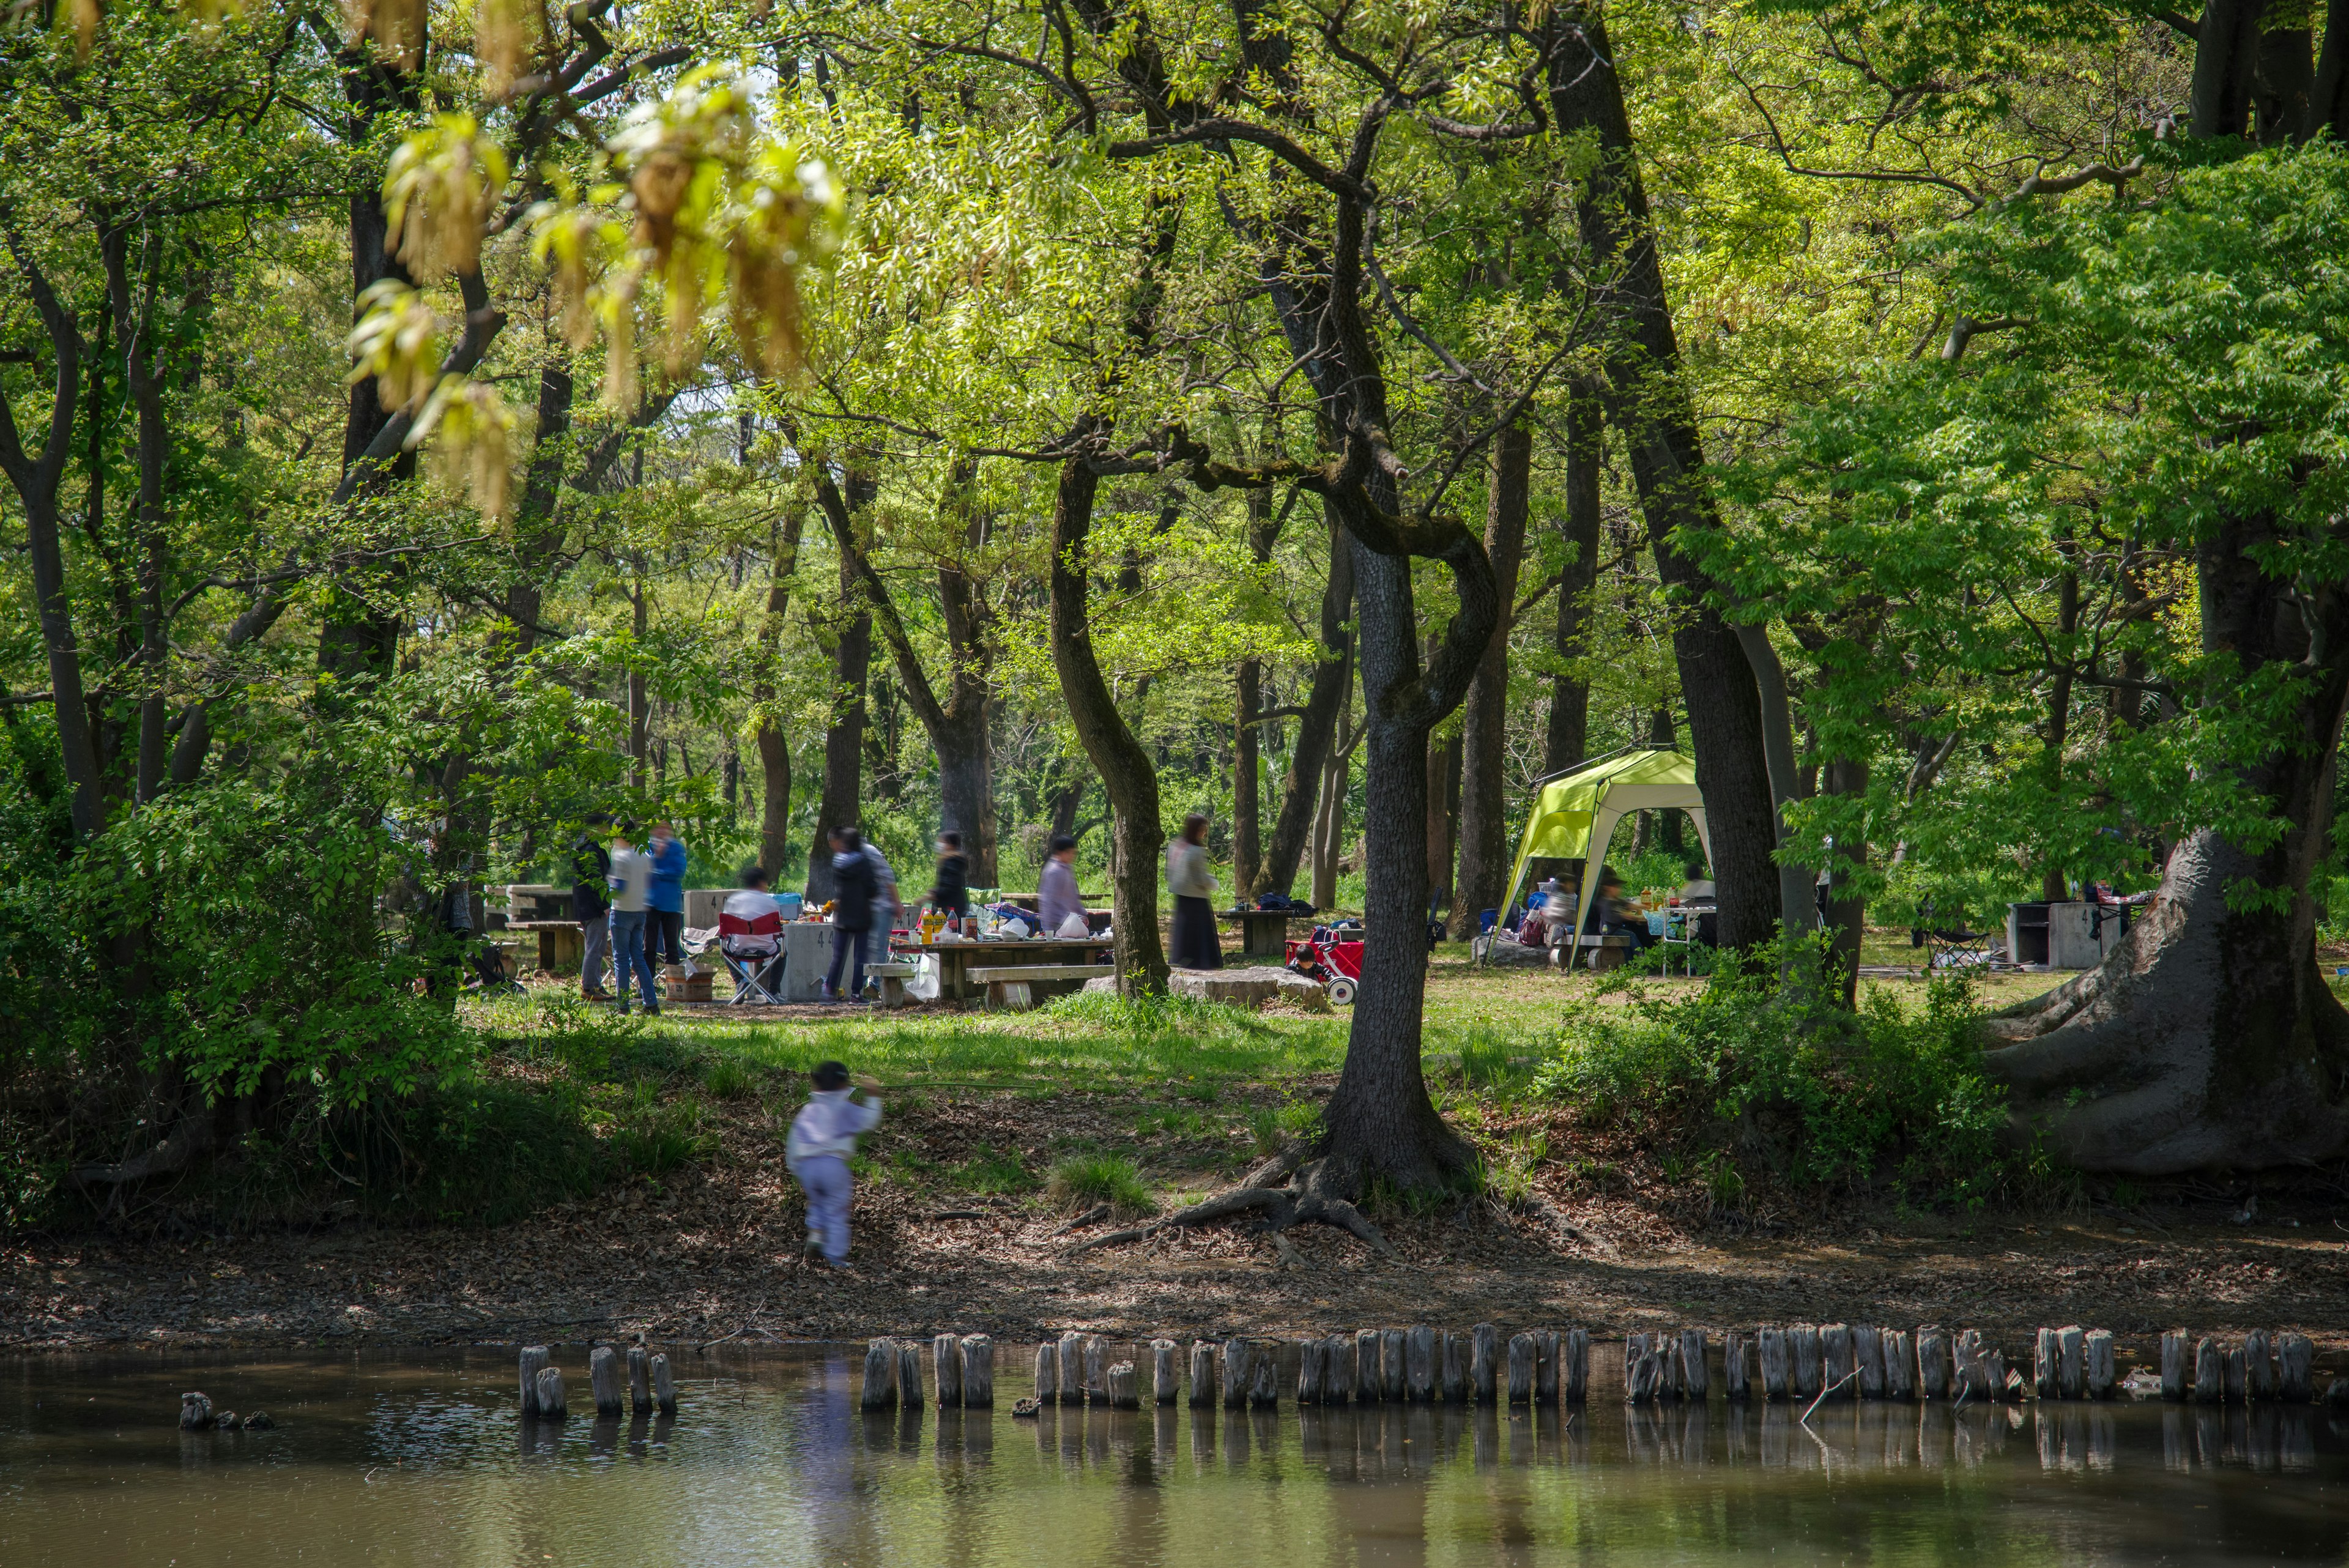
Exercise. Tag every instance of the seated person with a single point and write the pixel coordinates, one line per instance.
(751, 903)
(1550, 923)
(1613, 915)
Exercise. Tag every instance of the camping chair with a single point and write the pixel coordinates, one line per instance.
(753, 952)
(1950, 946)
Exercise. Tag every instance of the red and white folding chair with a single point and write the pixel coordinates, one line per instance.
(753, 952)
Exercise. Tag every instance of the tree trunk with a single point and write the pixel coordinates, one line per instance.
(2208, 1038)
(774, 745)
(1330, 816)
(639, 704)
(843, 735)
(133, 303)
(1566, 740)
(1325, 698)
(1650, 405)
(1846, 909)
(2226, 67)
(1443, 814)
(1125, 768)
(1247, 698)
(2052, 882)
(1484, 879)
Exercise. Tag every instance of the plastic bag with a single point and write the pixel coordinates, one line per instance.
(1076, 924)
(924, 985)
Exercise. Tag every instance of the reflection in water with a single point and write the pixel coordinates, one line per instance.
(423, 1459)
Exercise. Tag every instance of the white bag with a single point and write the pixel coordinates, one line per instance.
(1076, 926)
(924, 986)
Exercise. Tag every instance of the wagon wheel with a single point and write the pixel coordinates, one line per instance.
(1341, 992)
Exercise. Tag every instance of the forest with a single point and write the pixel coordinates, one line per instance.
(428, 424)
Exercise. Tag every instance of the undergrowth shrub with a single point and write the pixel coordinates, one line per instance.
(1748, 1077)
(1083, 1181)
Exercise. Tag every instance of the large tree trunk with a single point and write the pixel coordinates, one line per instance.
(1302, 790)
(1126, 770)
(1247, 697)
(2208, 1037)
(774, 745)
(1650, 405)
(843, 735)
(1443, 818)
(1566, 740)
(1846, 909)
(1484, 877)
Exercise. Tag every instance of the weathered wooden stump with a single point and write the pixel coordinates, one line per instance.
(1096, 1370)
(1810, 1363)
(1771, 1353)
(1576, 1349)
(1048, 1372)
(1545, 1369)
(946, 1370)
(2237, 1375)
(2258, 1366)
(1121, 1395)
(2295, 1368)
(1203, 1374)
(1733, 1385)
(1419, 1365)
(1933, 1363)
(2042, 1363)
(1972, 1378)
(1452, 1369)
(880, 1391)
(533, 1356)
(909, 1375)
(1522, 1352)
(640, 1381)
(664, 1386)
(1837, 1368)
(2177, 1365)
(1393, 1369)
(979, 1372)
(1310, 1356)
(1483, 1363)
(1239, 1373)
(1899, 1366)
(603, 1380)
(2006, 1386)
(1867, 1358)
(1338, 1375)
(1264, 1378)
(2099, 1372)
(196, 1413)
(1165, 1384)
(1696, 1381)
(1368, 1383)
(2071, 1361)
(1072, 1368)
(1643, 1370)
(553, 1405)
(2210, 1371)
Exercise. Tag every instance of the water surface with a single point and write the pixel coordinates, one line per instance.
(420, 1458)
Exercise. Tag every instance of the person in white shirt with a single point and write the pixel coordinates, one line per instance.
(763, 951)
(1193, 885)
(824, 1134)
(631, 880)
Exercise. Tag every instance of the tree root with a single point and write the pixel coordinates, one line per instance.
(1302, 1200)
(191, 1137)
(1099, 1212)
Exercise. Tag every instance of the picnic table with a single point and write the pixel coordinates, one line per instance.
(1264, 933)
(561, 947)
(989, 964)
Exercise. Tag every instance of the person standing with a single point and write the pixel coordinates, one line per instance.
(823, 1136)
(853, 895)
(590, 865)
(665, 902)
(887, 908)
(1057, 898)
(950, 893)
(631, 881)
(1193, 887)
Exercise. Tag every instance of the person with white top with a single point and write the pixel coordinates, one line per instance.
(1057, 899)
(631, 881)
(1193, 887)
(823, 1136)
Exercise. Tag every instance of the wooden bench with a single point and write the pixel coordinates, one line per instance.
(1609, 951)
(893, 977)
(1007, 984)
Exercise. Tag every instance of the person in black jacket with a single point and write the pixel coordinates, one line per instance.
(950, 896)
(591, 863)
(853, 888)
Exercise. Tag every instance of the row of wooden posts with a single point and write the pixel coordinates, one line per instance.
(1808, 1362)
(649, 1388)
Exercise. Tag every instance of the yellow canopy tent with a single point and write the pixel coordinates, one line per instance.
(1578, 810)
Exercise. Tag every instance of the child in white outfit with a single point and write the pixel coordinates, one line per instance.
(824, 1134)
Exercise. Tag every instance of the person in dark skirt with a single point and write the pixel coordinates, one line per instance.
(1193, 887)
(950, 894)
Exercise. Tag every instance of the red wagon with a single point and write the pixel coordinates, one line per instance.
(1333, 959)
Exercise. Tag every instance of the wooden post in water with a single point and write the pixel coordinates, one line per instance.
(1973, 1376)
(909, 1375)
(979, 1372)
(1338, 1369)
(2295, 1368)
(1695, 1381)
(1202, 1375)
(1452, 1376)
(1899, 1366)
(1419, 1365)
(2258, 1366)
(664, 1386)
(553, 1404)
(1932, 1364)
(1393, 1373)
(640, 1381)
(1483, 1363)
(2042, 1363)
(1867, 1356)
(1166, 1386)
(1238, 1369)
(1546, 1380)
(2210, 1371)
(1368, 1382)
(1119, 1378)
(604, 1381)
(2175, 1366)
(2237, 1369)
(2098, 1373)
(1096, 1370)
(2071, 1361)
(1837, 1369)
(1770, 1352)
(1734, 1386)
(1521, 1369)
(1072, 1368)
(945, 1366)
(1047, 1372)
(1808, 1381)
(533, 1357)
(1310, 1355)
(1578, 1365)
(880, 1392)
(1264, 1378)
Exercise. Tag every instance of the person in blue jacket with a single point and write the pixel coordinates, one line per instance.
(665, 924)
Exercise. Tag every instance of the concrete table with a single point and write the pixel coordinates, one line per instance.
(1264, 933)
(561, 947)
(956, 959)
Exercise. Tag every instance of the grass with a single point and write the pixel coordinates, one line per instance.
(1084, 1180)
